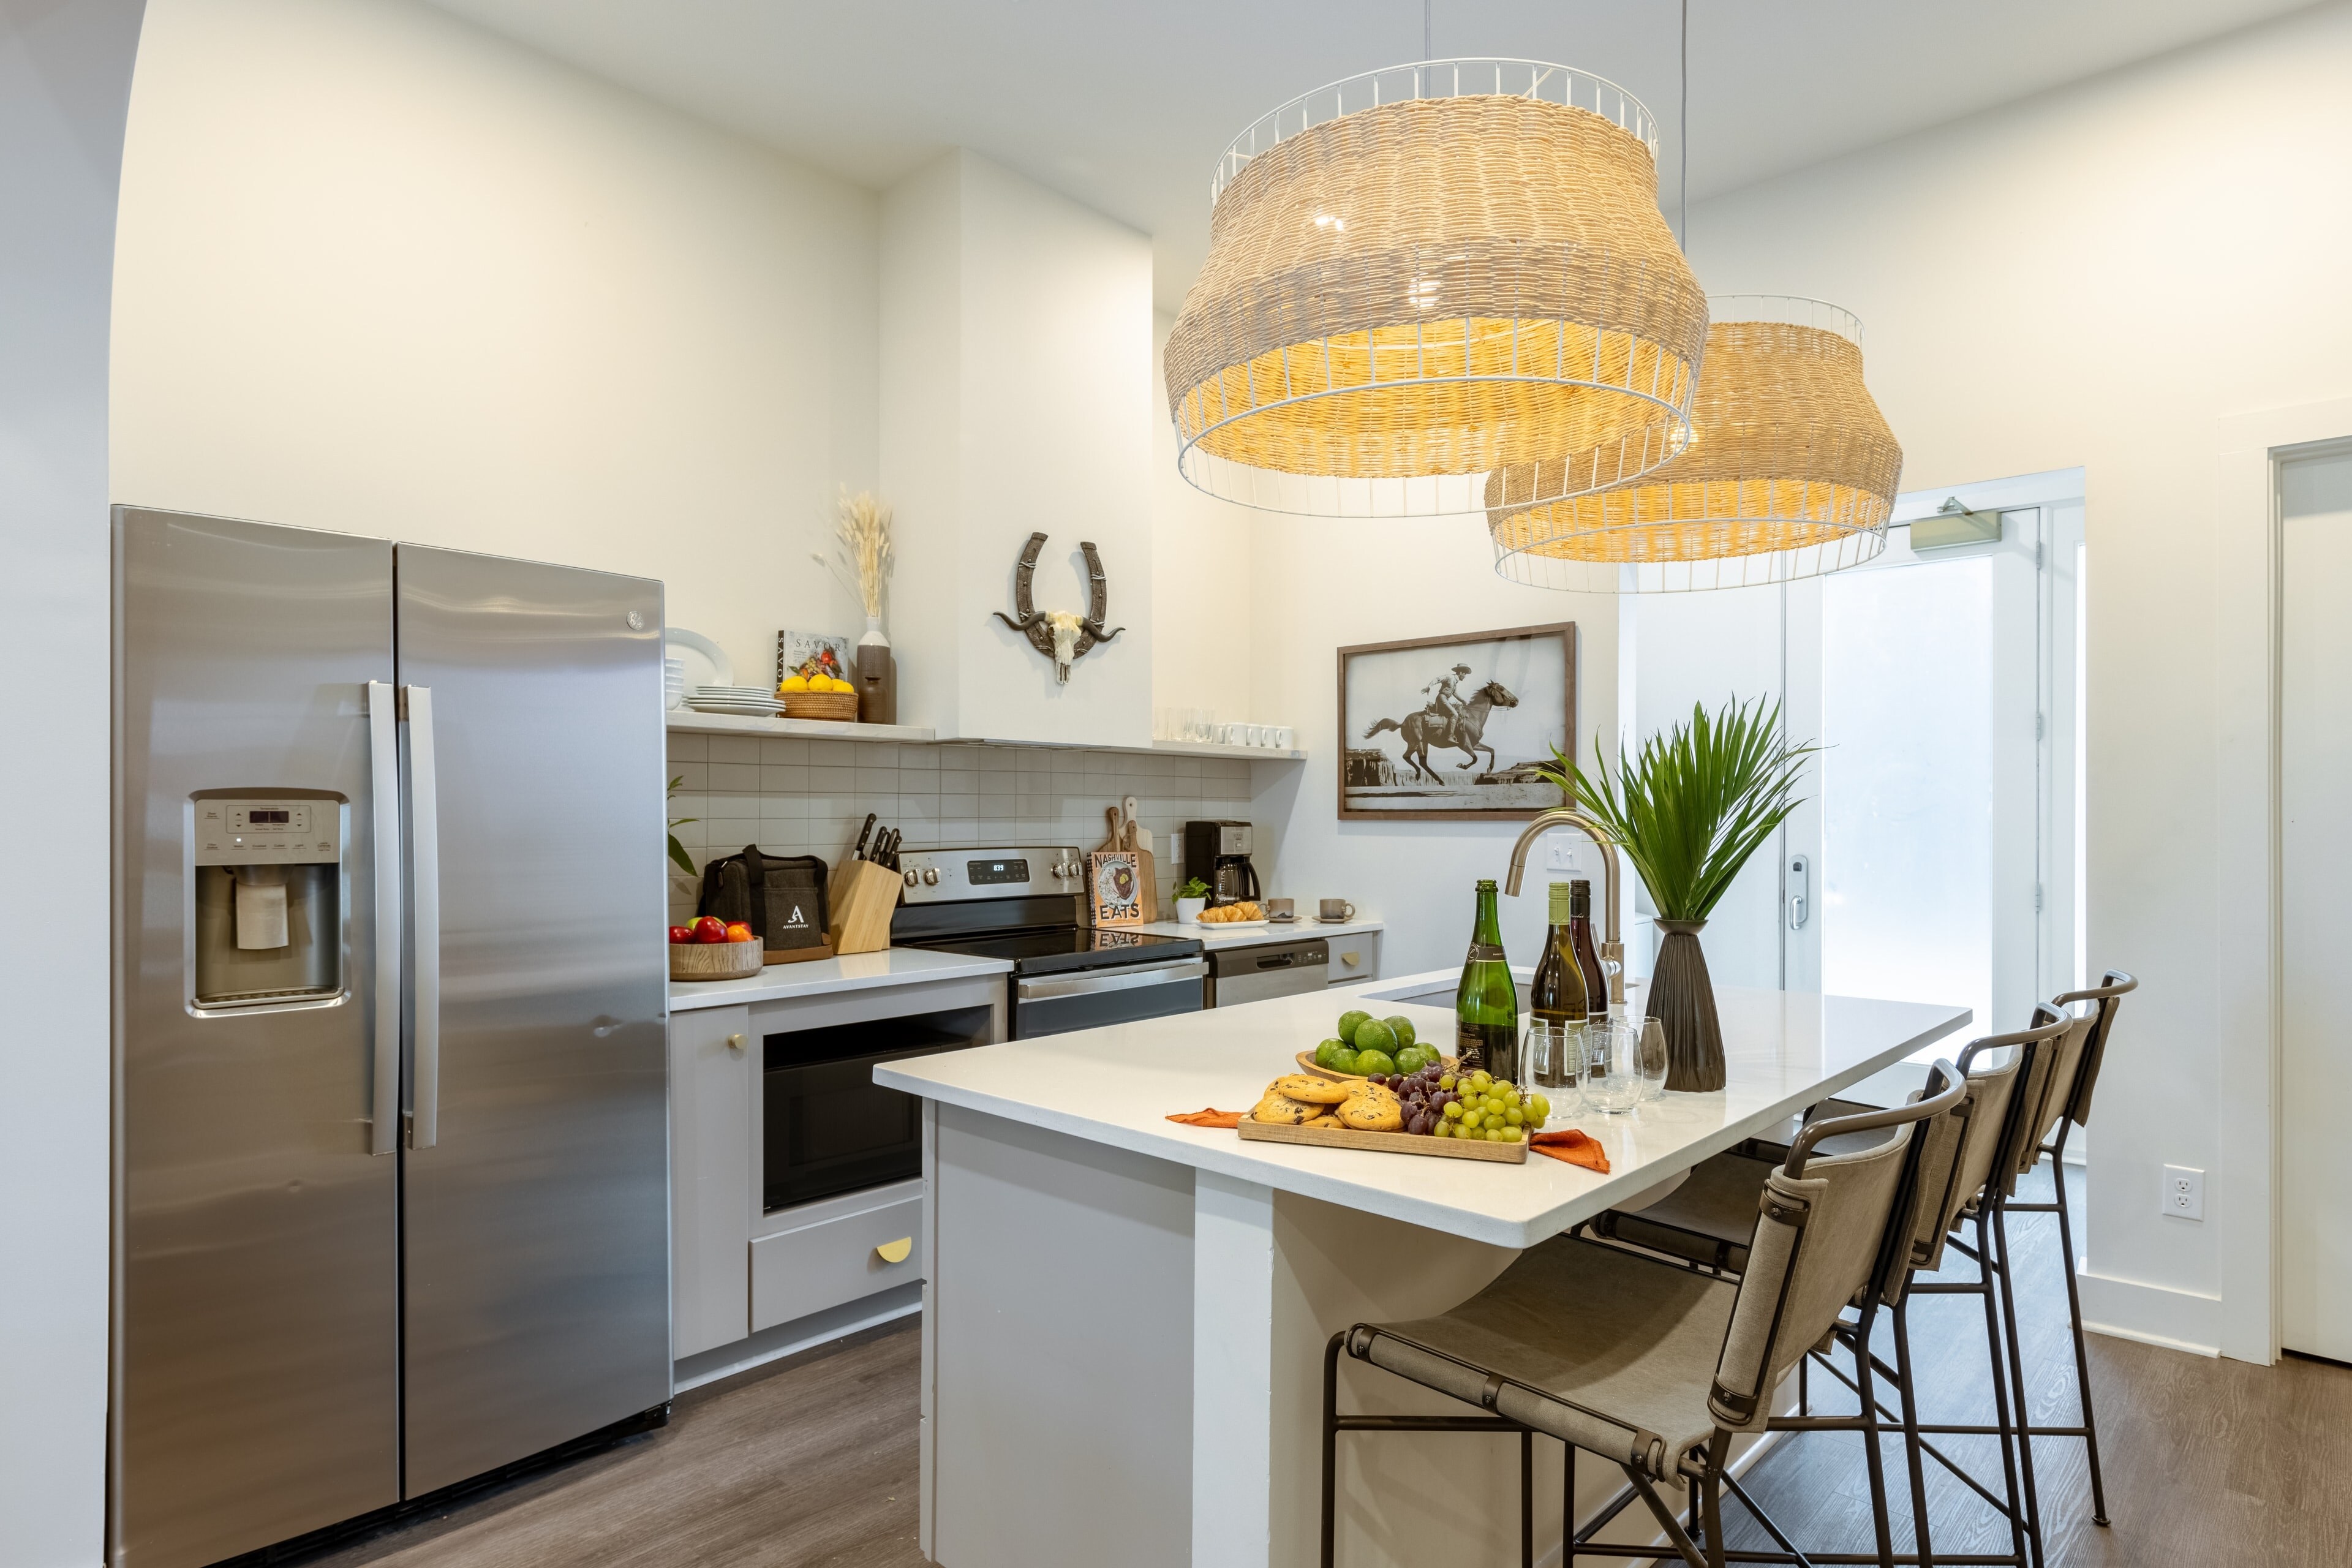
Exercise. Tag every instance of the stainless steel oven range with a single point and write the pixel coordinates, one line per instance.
(1023, 904)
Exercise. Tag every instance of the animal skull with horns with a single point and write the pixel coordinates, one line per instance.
(1062, 635)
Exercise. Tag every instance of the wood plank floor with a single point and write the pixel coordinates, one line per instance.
(813, 1465)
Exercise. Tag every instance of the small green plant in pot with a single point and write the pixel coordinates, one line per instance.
(1191, 899)
(1687, 809)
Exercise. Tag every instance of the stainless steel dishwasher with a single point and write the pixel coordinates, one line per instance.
(1238, 974)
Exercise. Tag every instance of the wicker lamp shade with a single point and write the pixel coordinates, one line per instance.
(1421, 276)
(1791, 472)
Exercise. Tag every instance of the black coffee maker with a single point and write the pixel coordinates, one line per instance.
(1218, 853)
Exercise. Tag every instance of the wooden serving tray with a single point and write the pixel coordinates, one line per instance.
(1307, 1065)
(799, 955)
(1385, 1142)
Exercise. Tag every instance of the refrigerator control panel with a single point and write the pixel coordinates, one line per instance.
(263, 832)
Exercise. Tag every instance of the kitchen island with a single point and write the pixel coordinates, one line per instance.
(1124, 1317)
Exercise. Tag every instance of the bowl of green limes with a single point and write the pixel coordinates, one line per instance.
(1365, 1047)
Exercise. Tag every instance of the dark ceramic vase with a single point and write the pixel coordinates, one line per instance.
(1682, 999)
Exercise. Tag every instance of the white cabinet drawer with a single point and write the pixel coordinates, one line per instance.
(830, 1261)
(1355, 959)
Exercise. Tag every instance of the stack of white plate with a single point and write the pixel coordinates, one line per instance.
(673, 682)
(752, 700)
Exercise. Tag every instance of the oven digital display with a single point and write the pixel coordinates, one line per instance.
(988, 873)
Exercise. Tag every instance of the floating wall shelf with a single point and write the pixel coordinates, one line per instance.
(686, 722)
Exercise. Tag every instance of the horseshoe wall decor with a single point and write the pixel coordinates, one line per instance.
(1061, 636)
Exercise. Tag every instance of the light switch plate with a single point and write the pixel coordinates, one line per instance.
(1559, 855)
(2184, 1193)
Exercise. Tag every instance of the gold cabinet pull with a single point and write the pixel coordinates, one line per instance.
(736, 1043)
(895, 1251)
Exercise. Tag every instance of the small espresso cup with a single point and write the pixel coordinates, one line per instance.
(1337, 909)
(1281, 909)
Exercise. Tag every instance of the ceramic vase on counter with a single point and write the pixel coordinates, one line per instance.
(1188, 910)
(1682, 998)
(878, 676)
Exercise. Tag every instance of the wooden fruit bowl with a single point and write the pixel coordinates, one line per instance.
(838, 705)
(715, 960)
(1307, 1065)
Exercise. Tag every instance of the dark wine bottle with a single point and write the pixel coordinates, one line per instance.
(1486, 1007)
(1588, 957)
(1558, 995)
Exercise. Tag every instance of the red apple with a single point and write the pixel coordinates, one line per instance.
(681, 933)
(709, 929)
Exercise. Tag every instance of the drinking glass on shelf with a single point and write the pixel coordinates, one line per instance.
(1612, 1066)
(1654, 1056)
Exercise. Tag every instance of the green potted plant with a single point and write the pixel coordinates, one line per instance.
(1688, 809)
(1191, 899)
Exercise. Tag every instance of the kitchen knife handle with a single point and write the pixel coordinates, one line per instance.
(425, 903)
(384, 799)
(859, 853)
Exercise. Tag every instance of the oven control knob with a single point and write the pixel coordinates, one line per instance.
(931, 877)
(913, 876)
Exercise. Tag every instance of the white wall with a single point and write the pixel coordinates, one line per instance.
(1322, 585)
(1017, 355)
(1201, 584)
(65, 82)
(383, 273)
(2095, 277)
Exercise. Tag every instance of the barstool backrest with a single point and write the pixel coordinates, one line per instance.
(1819, 1239)
(2035, 1078)
(2074, 1080)
(1989, 1122)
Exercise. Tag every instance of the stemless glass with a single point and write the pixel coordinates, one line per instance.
(1612, 1066)
(1544, 1056)
(1654, 1057)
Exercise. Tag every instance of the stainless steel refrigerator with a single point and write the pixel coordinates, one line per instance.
(391, 1145)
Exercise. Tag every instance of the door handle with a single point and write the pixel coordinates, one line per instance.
(384, 799)
(1800, 886)
(1281, 961)
(424, 882)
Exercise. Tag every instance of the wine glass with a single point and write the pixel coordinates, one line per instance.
(1612, 1066)
(1653, 1058)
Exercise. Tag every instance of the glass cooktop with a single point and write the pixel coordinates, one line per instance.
(1067, 947)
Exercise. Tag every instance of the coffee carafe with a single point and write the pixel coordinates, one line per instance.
(1218, 853)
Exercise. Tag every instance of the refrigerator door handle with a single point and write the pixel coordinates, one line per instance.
(383, 793)
(425, 898)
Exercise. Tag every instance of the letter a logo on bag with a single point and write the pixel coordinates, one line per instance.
(797, 918)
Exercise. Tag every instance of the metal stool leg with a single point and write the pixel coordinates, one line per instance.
(2082, 1354)
(2008, 1283)
(1874, 1461)
(1527, 1500)
(1919, 1531)
(1999, 1393)
(1330, 1444)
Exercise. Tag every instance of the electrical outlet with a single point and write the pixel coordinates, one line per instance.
(1559, 855)
(2184, 1193)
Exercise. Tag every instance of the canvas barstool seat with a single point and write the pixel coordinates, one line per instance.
(1652, 1366)
(2002, 1078)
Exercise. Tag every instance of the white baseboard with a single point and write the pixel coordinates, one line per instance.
(2150, 1314)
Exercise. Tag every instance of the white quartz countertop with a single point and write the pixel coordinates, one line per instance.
(1784, 1051)
(1216, 937)
(826, 976)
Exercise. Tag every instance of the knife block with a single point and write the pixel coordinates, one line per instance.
(858, 905)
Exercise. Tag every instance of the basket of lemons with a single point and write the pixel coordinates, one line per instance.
(812, 692)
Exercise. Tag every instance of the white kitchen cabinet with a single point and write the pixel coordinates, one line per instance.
(714, 1079)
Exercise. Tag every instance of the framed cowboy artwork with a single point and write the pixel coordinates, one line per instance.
(1451, 728)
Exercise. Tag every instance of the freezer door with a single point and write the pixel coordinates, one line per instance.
(535, 1192)
(255, 1378)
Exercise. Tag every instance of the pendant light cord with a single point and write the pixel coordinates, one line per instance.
(1682, 193)
(1424, 28)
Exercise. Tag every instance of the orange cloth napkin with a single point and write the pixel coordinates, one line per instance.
(1216, 1119)
(1572, 1146)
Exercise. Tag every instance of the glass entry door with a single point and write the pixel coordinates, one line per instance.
(1943, 679)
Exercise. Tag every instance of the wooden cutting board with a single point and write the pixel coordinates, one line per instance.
(1385, 1142)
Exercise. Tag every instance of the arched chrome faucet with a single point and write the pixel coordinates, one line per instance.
(1612, 946)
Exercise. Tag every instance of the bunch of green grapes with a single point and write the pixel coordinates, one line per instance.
(1482, 1106)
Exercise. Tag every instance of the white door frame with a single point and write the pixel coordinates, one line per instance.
(2245, 577)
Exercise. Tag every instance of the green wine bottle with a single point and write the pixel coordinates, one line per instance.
(1486, 1007)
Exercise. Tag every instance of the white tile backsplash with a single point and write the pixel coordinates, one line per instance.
(810, 797)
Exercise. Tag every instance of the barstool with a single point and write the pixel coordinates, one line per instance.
(1700, 1223)
(2065, 1104)
(1653, 1366)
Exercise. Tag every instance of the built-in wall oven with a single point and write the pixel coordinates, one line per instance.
(1022, 905)
(830, 1127)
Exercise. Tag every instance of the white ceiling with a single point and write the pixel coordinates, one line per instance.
(1124, 104)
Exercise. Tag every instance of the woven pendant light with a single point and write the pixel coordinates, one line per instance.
(1791, 472)
(1421, 275)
